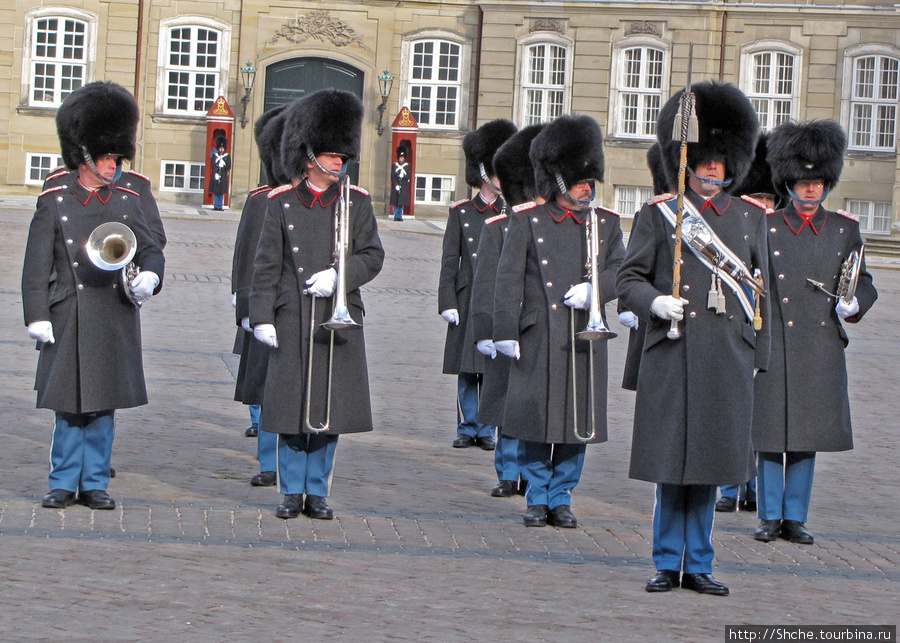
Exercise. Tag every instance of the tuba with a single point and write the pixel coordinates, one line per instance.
(340, 316)
(112, 246)
(849, 279)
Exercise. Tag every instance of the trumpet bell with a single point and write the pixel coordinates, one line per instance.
(111, 246)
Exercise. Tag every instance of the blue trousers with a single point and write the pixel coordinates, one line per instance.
(506, 458)
(552, 471)
(81, 450)
(469, 392)
(305, 463)
(682, 528)
(218, 201)
(254, 413)
(747, 490)
(267, 450)
(785, 484)
(398, 212)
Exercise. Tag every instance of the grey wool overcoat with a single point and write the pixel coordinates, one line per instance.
(801, 402)
(694, 403)
(297, 241)
(544, 255)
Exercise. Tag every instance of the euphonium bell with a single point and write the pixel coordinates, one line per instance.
(111, 246)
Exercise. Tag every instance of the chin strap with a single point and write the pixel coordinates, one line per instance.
(803, 201)
(721, 184)
(89, 161)
(339, 175)
(564, 190)
(486, 178)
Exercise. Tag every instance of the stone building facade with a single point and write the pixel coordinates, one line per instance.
(456, 65)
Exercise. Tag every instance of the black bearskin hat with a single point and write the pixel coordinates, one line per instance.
(100, 117)
(480, 146)
(728, 129)
(221, 141)
(326, 122)
(267, 131)
(759, 178)
(513, 166)
(401, 151)
(657, 170)
(571, 147)
(804, 151)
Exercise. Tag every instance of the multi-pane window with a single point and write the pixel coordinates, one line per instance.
(38, 166)
(874, 216)
(435, 83)
(873, 103)
(182, 175)
(58, 59)
(192, 69)
(434, 190)
(630, 199)
(640, 91)
(544, 83)
(772, 87)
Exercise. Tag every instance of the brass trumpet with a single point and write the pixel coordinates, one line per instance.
(112, 246)
(596, 328)
(340, 317)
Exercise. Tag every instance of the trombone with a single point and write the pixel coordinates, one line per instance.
(340, 317)
(596, 328)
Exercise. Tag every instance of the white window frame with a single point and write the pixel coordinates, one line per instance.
(54, 161)
(188, 165)
(444, 178)
(774, 47)
(848, 101)
(617, 90)
(866, 211)
(522, 84)
(461, 85)
(163, 67)
(89, 62)
(639, 194)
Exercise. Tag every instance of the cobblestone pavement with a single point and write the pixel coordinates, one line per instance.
(418, 550)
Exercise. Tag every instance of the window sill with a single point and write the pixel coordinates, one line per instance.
(178, 119)
(640, 143)
(28, 110)
(871, 155)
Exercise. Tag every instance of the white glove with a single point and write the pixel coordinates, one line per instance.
(628, 319)
(667, 307)
(266, 334)
(508, 347)
(216, 175)
(322, 283)
(578, 296)
(451, 316)
(845, 310)
(245, 324)
(42, 331)
(486, 348)
(234, 300)
(143, 285)
(397, 188)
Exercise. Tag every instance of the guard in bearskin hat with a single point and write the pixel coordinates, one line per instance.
(80, 303)
(400, 176)
(293, 292)
(694, 398)
(251, 376)
(72, 117)
(458, 255)
(515, 175)
(556, 398)
(801, 404)
(221, 165)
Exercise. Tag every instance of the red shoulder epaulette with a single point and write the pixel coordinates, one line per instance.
(280, 189)
(127, 190)
(659, 198)
(459, 203)
(259, 190)
(522, 207)
(49, 190)
(848, 215)
(607, 211)
(757, 203)
(498, 217)
(140, 176)
(359, 189)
